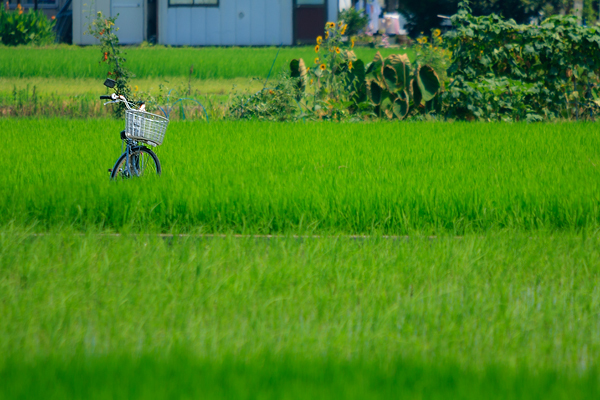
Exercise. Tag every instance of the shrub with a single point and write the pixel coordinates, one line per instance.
(18, 27)
(356, 20)
(506, 71)
(339, 86)
(269, 104)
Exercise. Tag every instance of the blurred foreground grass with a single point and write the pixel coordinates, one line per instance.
(499, 315)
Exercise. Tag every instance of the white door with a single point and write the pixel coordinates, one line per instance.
(130, 21)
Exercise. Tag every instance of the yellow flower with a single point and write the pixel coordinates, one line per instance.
(326, 35)
(323, 67)
(19, 6)
(311, 81)
(319, 39)
(337, 50)
(136, 88)
(350, 66)
(344, 29)
(340, 24)
(331, 25)
(317, 48)
(352, 43)
(316, 60)
(437, 33)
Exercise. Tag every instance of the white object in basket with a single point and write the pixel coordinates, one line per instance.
(146, 127)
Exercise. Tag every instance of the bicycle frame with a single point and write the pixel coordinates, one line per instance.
(135, 155)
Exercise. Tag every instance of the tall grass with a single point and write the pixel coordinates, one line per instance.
(266, 177)
(505, 313)
(159, 61)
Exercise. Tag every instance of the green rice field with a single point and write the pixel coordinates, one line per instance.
(159, 61)
(297, 260)
(383, 178)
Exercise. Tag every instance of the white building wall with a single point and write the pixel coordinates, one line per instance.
(234, 22)
(84, 12)
(332, 10)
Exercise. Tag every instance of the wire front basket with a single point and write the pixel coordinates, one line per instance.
(145, 127)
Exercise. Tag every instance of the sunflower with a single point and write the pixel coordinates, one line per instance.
(331, 25)
(326, 35)
(337, 50)
(319, 39)
(344, 29)
(352, 43)
(350, 66)
(136, 88)
(317, 48)
(316, 60)
(340, 24)
(436, 33)
(323, 67)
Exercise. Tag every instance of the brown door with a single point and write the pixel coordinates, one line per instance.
(309, 20)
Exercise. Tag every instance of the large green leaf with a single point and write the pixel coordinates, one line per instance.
(401, 106)
(375, 92)
(401, 64)
(298, 70)
(375, 68)
(428, 81)
(390, 78)
(417, 96)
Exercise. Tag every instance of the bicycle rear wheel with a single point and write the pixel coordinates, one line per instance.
(142, 162)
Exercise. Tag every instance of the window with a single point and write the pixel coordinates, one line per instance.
(29, 3)
(310, 2)
(193, 3)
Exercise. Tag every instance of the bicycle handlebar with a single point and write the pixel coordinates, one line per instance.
(122, 99)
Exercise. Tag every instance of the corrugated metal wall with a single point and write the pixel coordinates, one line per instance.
(84, 12)
(234, 22)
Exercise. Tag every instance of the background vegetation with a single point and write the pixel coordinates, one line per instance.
(19, 28)
(506, 71)
(422, 15)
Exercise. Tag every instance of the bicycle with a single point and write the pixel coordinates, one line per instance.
(141, 128)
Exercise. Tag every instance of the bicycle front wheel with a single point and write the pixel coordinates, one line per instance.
(142, 162)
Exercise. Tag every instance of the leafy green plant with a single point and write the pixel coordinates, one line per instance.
(556, 63)
(18, 27)
(396, 88)
(356, 20)
(433, 52)
(341, 86)
(104, 30)
(278, 103)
